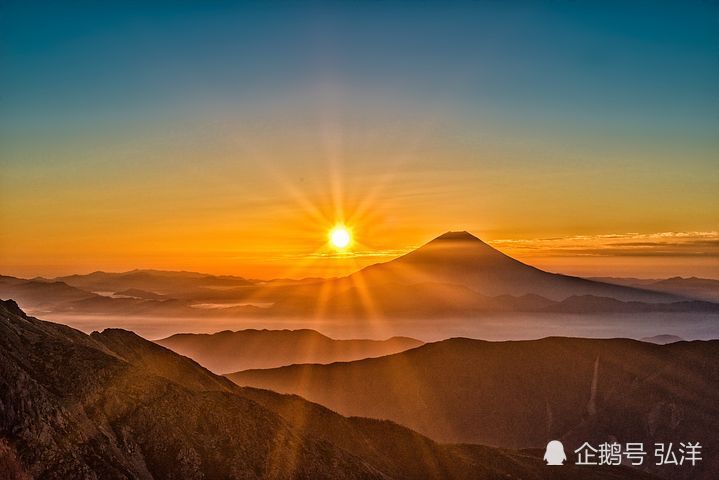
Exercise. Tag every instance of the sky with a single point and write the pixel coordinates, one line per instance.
(229, 137)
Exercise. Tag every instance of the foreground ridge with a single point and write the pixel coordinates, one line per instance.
(115, 406)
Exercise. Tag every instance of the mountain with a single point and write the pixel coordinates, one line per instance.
(460, 258)
(589, 303)
(155, 281)
(115, 406)
(229, 351)
(72, 408)
(455, 275)
(44, 296)
(441, 300)
(458, 275)
(517, 394)
(41, 294)
(706, 289)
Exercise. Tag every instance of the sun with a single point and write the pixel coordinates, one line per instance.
(340, 237)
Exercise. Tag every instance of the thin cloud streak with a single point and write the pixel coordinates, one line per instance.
(660, 244)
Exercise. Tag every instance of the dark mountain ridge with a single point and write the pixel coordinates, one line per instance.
(115, 406)
(690, 287)
(519, 393)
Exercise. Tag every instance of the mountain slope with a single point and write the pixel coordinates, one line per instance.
(74, 409)
(589, 303)
(518, 394)
(460, 258)
(241, 350)
(115, 406)
(41, 294)
(697, 288)
(155, 281)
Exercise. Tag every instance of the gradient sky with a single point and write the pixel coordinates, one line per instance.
(229, 137)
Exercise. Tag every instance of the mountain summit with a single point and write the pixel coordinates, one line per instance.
(462, 251)
(457, 236)
(460, 258)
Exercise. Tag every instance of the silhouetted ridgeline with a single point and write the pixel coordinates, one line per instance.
(115, 406)
(456, 274)
(227, 351)
(517, 394)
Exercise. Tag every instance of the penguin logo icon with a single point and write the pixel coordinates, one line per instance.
(555, 453)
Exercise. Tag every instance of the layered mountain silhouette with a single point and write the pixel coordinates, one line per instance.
(115, 406)
(229, 351)
(455, 275)
(459, 275)
(690, 287)
(155, 281)
(518, 394)
(41, 294)
(460, 258)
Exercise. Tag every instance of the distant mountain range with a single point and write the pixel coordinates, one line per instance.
(455, 275)
(518, 394)
(691, 287)
(41, 294)
(156, 281)
(115, 406)
(228, 351)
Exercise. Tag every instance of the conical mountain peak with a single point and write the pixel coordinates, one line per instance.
(460, 258)
(460, 249)
(459, 241)
(457, 236)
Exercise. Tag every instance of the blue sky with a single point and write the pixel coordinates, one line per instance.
(655, 63)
